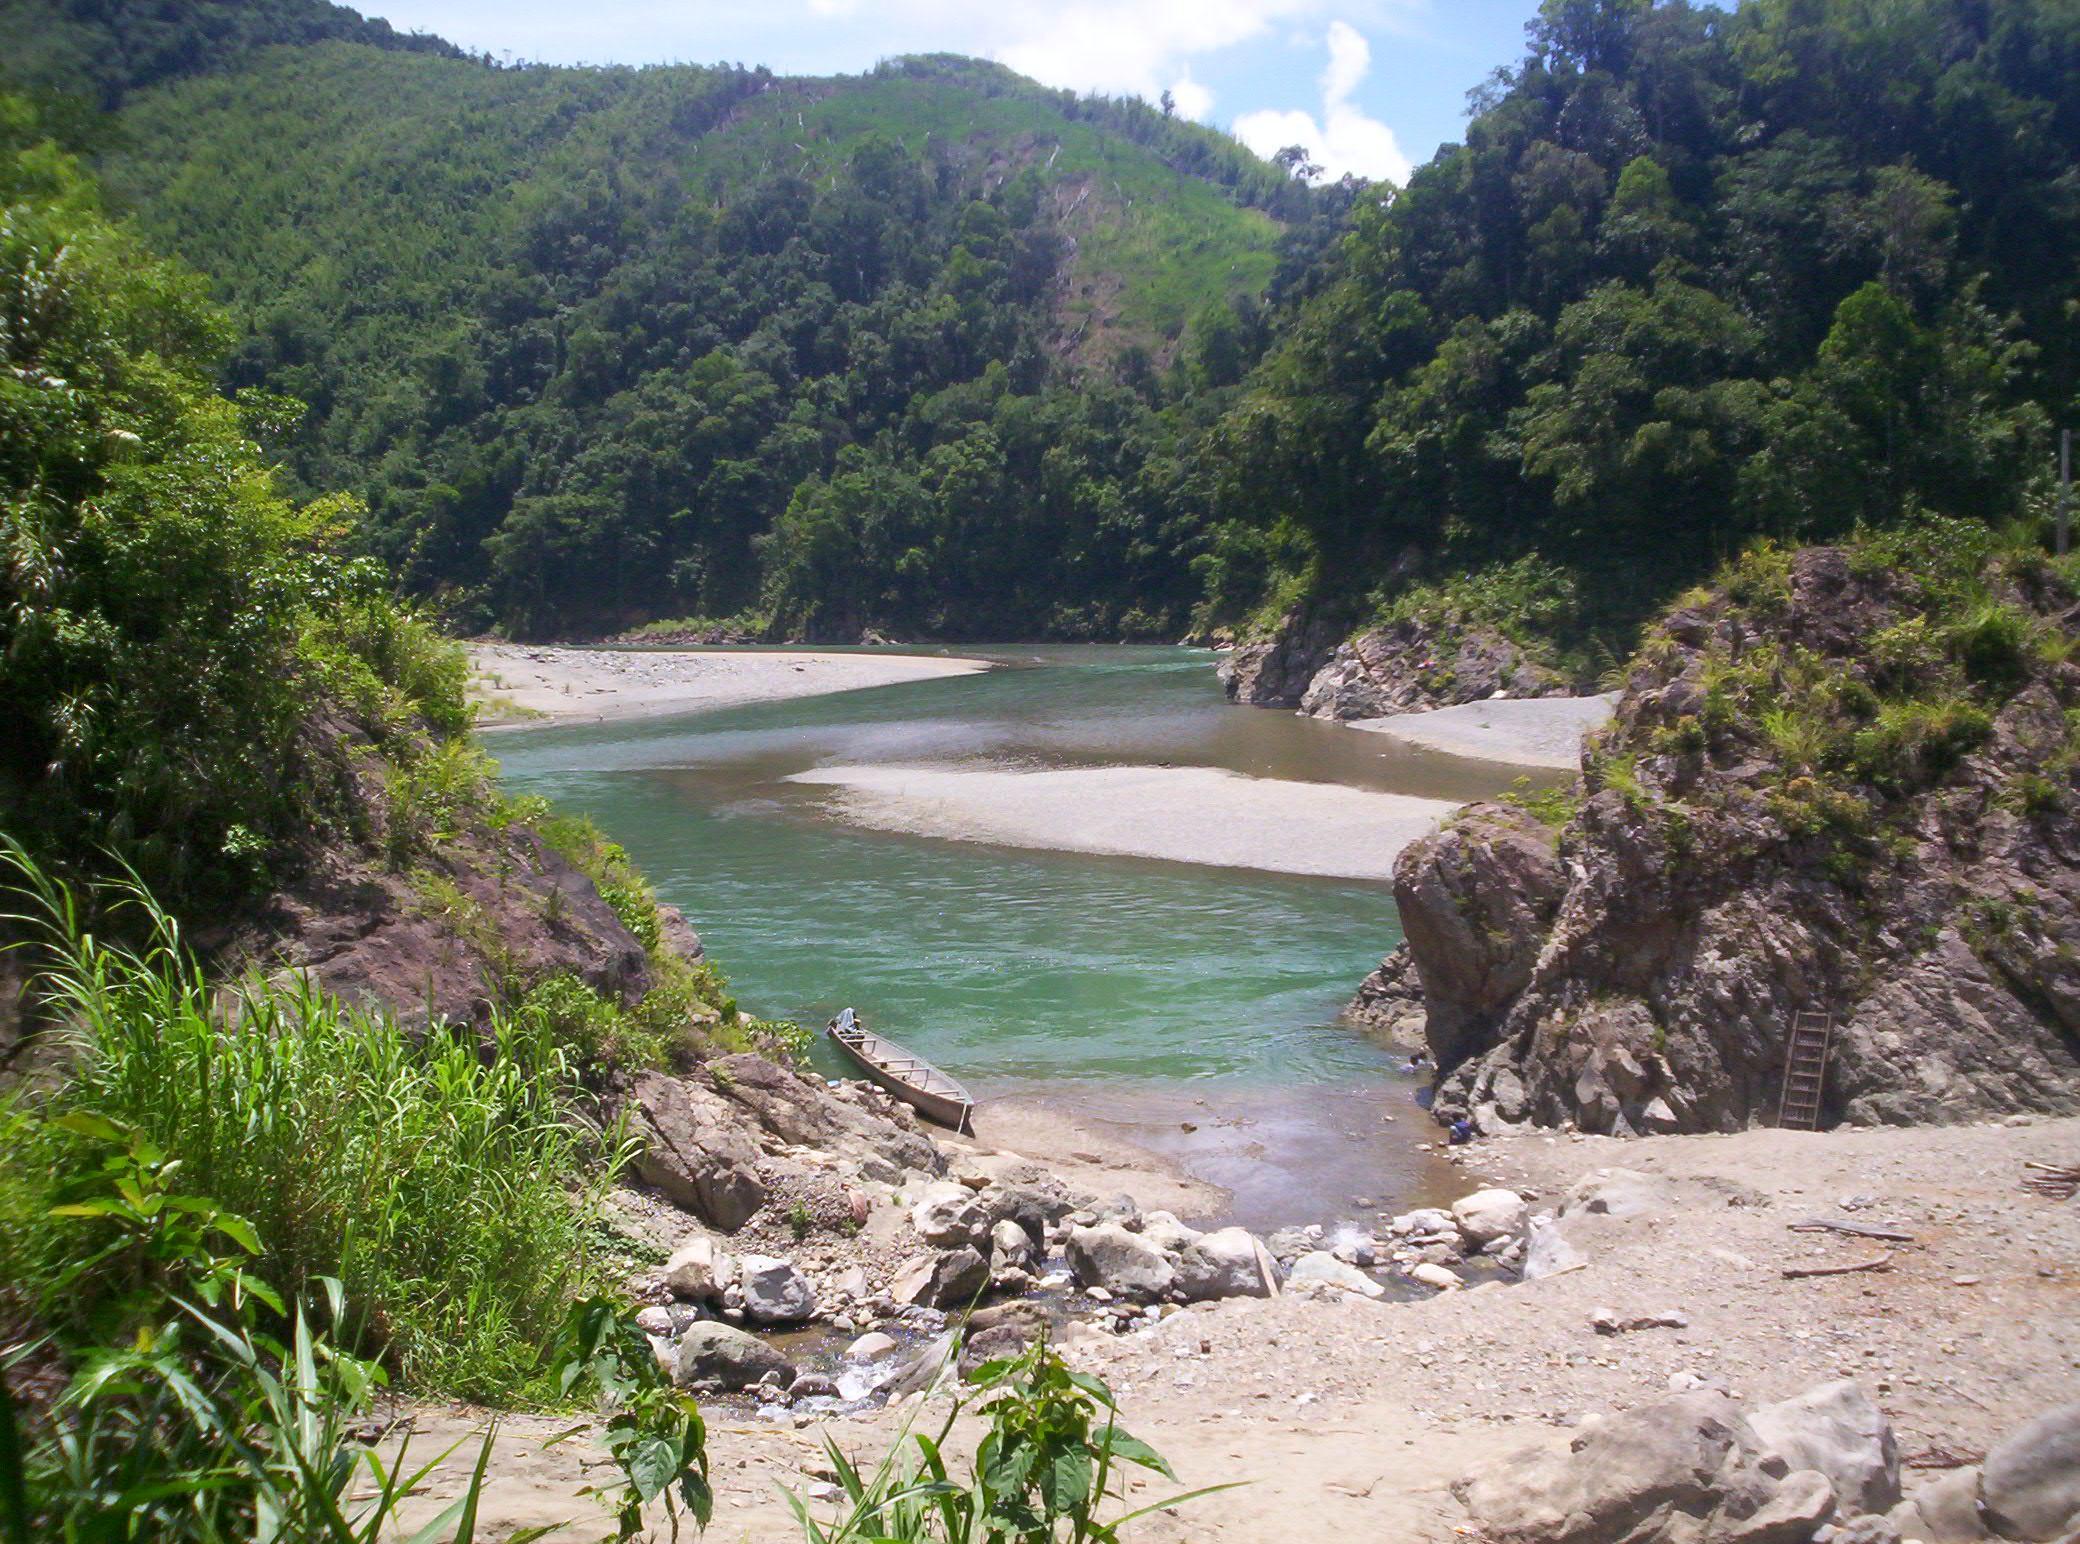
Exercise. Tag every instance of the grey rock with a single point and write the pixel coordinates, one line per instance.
(1836, 1429)
(1681, 1470)
(950, 1278)
(949, 1216)
(1800, 1504)
(1164, 1231)
(1944, 1511)
(715, 1355)
(2030, 1481)
(1228, 1262)
(1487, 1215)
(1125, 1264)
(1617, 1193)
(1011, 1247)
(1550, 1248)
(699, 1271)
(870, 1347)
(698, 1151)
(774, 1291)
(1325, 1267)
(803, 1111)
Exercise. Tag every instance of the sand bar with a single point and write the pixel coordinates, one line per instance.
(522, 683)
(1182, 814)
(1516, 731)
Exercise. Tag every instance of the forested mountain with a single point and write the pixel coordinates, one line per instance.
(940, 351)
(1695, 277)
(603, 345)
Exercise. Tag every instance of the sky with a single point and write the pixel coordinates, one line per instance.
(1368, 86)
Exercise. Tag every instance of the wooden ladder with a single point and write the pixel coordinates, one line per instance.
(1805, 1070)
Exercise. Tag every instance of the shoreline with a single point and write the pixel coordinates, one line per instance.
(523, 685)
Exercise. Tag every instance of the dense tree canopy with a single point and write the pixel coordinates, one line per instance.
(938, 351)
(1695, 277)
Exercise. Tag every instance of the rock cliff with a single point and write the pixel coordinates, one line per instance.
(1843, 781)
(1404, 667)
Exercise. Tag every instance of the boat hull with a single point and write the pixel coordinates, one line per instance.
(949, 1106)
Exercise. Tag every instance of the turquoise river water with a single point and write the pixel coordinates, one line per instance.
(1151, 996)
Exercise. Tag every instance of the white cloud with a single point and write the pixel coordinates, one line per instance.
(1345, 138)
(1193, 100)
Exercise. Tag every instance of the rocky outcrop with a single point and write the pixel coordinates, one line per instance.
(1276, 672)
(697, 1150)
(487, 914)
(802, 1110)
(1389, 1003)
(1475, 900)
(1414, 665)
(1826, 789)
(1314, 663)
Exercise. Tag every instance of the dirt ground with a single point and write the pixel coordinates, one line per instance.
(1359, 1416)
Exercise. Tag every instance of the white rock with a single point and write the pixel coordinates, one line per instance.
(870, 1347)
(1550, 1251)
(1322, 1266)
(1488, 1214)
(1011, 1247)
(1435, 1276)
(1426, 1219)
(699, 1271)
(1164, 1231)
(1229, 1262)
(949, 1216)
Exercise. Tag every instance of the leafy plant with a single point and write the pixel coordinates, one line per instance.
(1045, 1471)
(653, 1434)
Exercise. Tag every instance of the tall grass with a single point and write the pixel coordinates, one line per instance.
(445, 1186)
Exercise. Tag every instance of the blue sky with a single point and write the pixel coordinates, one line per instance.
(1370, 86)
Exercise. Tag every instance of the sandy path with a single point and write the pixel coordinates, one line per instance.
(1182, 814)
(583, 685)
(1516, 731)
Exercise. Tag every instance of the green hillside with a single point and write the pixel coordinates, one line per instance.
(600, 346)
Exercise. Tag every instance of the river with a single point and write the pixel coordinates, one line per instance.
(1191, 1009)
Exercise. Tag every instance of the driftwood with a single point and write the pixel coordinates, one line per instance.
(1860, 1230)
(1882, 1263)
(2056, 1180)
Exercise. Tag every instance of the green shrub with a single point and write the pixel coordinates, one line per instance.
(1994, 645)
(448, 1192)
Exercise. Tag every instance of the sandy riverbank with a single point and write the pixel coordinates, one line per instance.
(1180, 814)
(1358, 1416)
(522, 683)
(1543, 732)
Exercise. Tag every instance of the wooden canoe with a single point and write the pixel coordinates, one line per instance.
(910, 1078)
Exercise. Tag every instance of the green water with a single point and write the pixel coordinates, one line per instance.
(1128, 985)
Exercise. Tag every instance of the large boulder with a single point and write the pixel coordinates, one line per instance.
(1163, 1230)
(803, 1111)
(1476, 899)
(699, 1271)
(947, 1278)
(1837, 1430)
(1487, 1215)
(2030, 1482)
(950, 1216)
(719, 1356)
(1124, 1264)
(1681, 1470)
(774, 1291)
(1228, 1262)
(1552, 1248)
(698, 1150)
